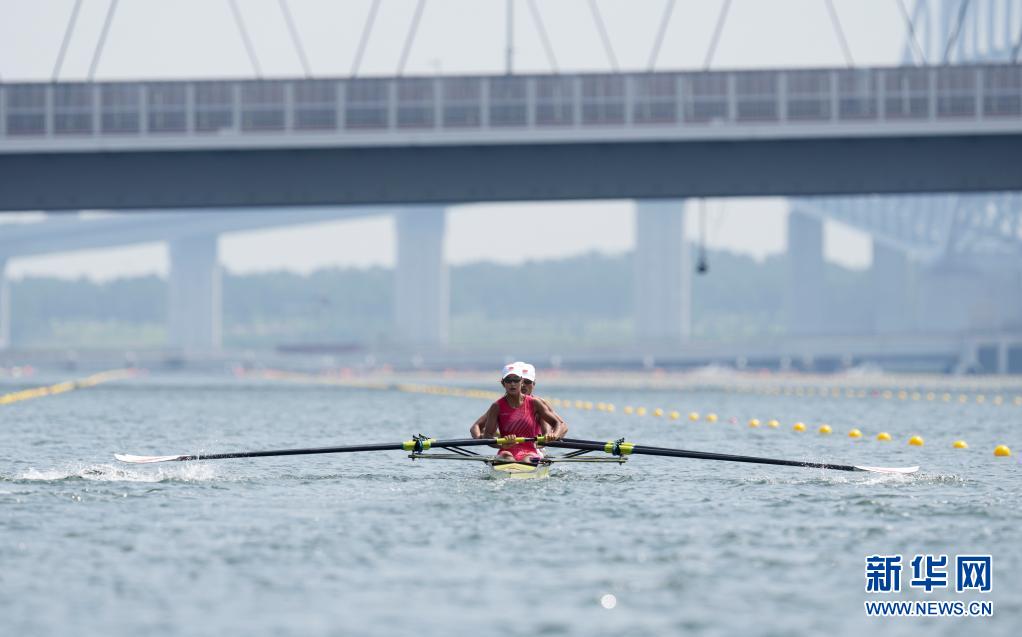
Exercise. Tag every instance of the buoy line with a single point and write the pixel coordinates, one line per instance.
(68, 385)
(584, 405)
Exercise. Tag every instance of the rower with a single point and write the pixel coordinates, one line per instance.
(518, 414)
(560, 430)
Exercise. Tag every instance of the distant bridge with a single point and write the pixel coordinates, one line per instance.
(416, 144)
(441, 140)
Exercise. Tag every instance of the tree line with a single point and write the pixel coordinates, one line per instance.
(585, 300)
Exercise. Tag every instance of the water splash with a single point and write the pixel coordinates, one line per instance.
(185, 472)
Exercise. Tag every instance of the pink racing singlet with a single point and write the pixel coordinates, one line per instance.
(519, 422)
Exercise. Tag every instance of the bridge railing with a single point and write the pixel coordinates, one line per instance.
(508, 103)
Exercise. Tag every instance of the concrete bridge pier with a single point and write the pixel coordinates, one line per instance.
(5, 306)
(663, 272)
(806, 290)
(195, 299)
(893, 301)
(421, 281)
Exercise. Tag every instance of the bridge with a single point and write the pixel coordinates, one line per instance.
(498, 138)
(949, 120)
(195, 308)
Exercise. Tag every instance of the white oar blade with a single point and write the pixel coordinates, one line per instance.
(894, 470)
(124, 457)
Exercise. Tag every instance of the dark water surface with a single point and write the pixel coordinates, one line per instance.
(373, 544)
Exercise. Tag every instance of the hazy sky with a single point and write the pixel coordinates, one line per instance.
(198, 38)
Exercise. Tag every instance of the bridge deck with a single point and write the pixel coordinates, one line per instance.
(226, 114)
(509, 138)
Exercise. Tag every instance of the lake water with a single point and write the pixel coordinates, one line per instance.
(374, 544)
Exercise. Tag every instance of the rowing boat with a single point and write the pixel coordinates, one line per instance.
(502, 468)
(423, 448)
(519, 470)
(499, 467)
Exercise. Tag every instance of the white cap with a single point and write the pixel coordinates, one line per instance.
(518, 368)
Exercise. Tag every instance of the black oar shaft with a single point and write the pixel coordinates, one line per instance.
(293, 452)
(592, 445)
(392, 446)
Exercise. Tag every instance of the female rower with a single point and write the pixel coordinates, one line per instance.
(560, 430)
(518, 414)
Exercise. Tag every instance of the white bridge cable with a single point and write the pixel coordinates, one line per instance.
(244, 38)
(98, 53)
(509, 38)
(716, 35)
(541, 29)
(910, 27)
(840, 32)
(655, 53)
(602, 29)
(295, 38)
(962, 8)
(67, 38)
(364, 40)
(410, 38)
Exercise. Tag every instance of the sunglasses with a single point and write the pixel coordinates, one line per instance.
(526, 381)
(511, 380)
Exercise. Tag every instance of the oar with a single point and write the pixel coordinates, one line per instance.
(417, 444)
(622, 448)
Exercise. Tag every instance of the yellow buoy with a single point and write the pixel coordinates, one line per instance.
(855, 433)
(711, 417)
(754, 422)
(773, 423)
(884, 436)
(675, 415)
(959, 444)
(658, 412)
(799, 426)
(641, 411)
(916, 441)
(693, 415)
(1002, 451)
(587, 405)
(628, 409)
(610, 406)
(825, 429)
